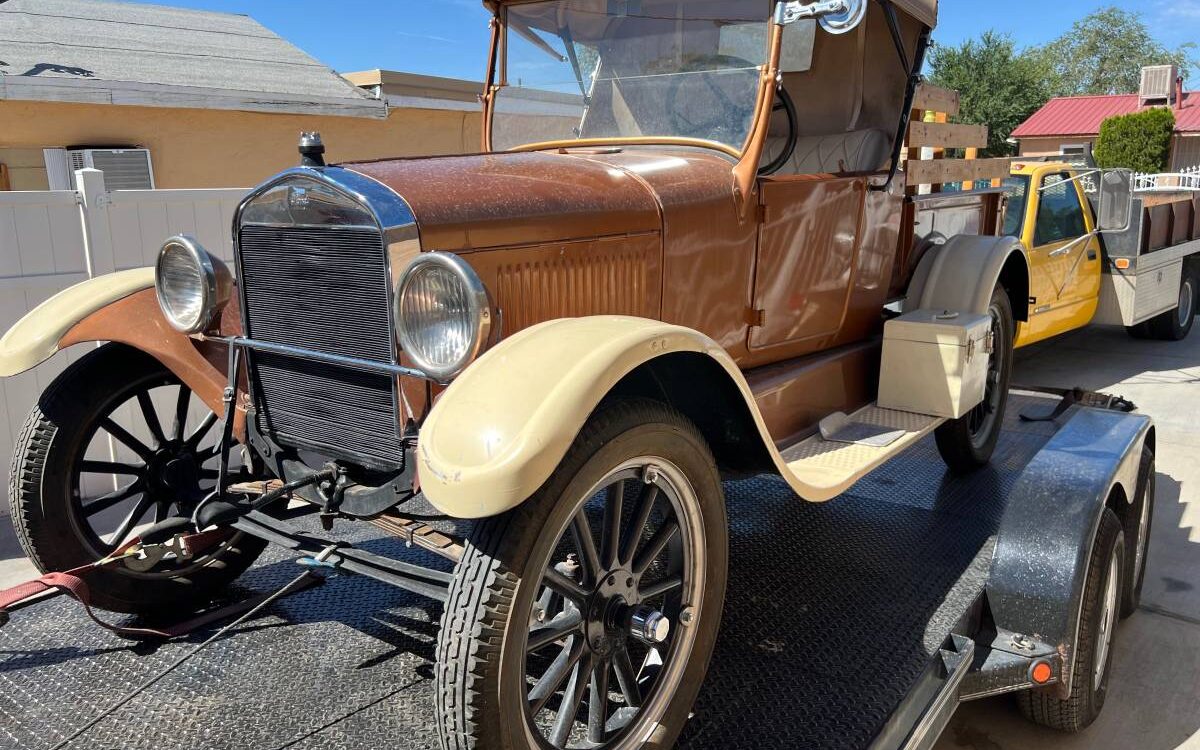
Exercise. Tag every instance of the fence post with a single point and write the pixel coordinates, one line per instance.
(93, 212)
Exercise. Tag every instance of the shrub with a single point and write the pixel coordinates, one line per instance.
(1140, 141)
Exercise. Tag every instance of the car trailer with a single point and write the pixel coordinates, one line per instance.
(862, 622)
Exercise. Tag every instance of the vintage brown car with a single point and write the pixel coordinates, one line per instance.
(674, 261)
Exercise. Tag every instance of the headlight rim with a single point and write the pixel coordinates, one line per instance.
(214, 293)
(480, 306)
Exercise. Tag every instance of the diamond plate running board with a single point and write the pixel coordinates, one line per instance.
(831, 467)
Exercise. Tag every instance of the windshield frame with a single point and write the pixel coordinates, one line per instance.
(749, 152)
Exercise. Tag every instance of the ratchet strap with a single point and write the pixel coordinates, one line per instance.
(72, 584)
(1075, 396)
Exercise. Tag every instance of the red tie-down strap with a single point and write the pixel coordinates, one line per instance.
(75, 587)
(72, 584)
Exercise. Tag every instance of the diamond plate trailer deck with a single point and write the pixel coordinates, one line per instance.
(840, 624)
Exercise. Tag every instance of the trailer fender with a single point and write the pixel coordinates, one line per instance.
(119, 307)
(1046, 535)
(502, 427)
(960, 275)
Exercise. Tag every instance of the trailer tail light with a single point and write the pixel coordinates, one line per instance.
(1122, 264)
(1042, 672)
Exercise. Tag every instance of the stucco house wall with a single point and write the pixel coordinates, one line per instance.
(208, 148)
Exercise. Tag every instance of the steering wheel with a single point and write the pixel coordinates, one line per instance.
(783, 103)
(718, 117)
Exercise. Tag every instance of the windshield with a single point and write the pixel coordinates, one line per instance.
(1018, 196)
(635, 69)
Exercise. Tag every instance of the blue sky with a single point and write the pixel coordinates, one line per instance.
(449, 37)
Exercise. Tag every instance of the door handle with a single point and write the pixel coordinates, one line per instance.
(1091, 254)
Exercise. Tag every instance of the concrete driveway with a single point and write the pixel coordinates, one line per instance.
(1154, 701)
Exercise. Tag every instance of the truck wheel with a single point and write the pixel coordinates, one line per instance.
(1092, 656)
(1141, 513)
(66, 517)
(586, 617)
(967, 443)
(1175, 325)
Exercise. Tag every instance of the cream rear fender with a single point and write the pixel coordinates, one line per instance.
(502, 427)
(960, 275)
(36, 337)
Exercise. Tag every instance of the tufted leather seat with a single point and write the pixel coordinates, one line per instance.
(856, 151)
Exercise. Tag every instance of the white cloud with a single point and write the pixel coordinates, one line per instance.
(1178, 9)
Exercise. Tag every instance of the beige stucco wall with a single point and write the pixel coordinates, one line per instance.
(26, 168)
(1050, 146)
(1185, 150)
(198, 148)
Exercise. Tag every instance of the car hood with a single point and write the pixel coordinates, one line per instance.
(514, 199)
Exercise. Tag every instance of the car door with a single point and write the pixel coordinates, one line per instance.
(807, 258)
(1064, 258)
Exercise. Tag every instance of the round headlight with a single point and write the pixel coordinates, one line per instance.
(442, 314)
(192, 285)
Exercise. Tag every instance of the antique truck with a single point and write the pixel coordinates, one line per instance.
(1099, 254)
(674, 261)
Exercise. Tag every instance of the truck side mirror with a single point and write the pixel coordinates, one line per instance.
(1115, 210)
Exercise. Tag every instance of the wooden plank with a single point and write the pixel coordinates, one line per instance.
(972, 153)
(5, 183)
(931, 172)
(936, 99)
(942, 135)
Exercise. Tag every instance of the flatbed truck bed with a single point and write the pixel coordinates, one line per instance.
(844, 627)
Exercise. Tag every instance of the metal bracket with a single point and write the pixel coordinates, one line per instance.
(835, 16)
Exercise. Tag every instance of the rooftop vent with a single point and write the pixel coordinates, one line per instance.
(1158, 84)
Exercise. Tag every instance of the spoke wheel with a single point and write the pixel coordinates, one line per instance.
(612, 579)
(118, 443)
(591, 658)
(161, 470)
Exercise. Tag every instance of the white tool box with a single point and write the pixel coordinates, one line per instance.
(935, 362)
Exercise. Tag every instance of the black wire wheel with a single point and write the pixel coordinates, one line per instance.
(586, 617)
(967, 443)
(115, 444)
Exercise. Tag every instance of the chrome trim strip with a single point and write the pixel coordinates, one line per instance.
(330, 359)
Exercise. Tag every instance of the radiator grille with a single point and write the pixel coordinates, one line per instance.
(334, 410)
(323, 289)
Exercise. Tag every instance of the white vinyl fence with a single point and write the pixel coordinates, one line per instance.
(50, 240)
(1186, 180)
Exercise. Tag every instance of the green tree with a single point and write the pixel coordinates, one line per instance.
(1140, 141)
(1000, 86)
(1104, 53)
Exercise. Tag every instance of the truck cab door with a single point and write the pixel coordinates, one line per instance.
(1064, 258)
(807, 258)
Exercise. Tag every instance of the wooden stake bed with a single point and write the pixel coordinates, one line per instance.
(929, 129)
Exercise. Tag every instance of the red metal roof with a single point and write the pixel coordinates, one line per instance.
(1082, 115)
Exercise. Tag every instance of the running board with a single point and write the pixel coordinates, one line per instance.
(849, 448)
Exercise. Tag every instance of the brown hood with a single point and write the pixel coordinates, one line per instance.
(465, 203)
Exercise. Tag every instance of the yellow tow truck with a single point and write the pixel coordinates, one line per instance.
(1101, 253)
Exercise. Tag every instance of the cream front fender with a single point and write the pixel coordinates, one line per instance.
(499, 431)
(35, 338)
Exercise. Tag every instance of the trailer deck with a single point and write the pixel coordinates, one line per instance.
(834, 612)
